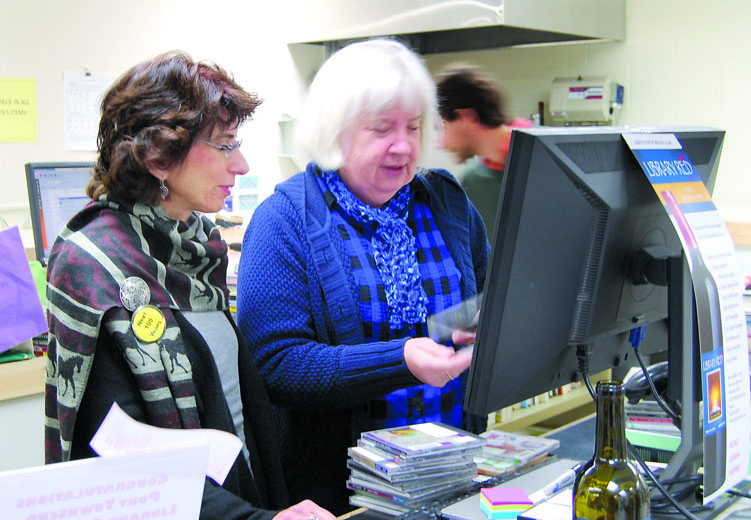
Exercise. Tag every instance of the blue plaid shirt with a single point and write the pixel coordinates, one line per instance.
(440, 280)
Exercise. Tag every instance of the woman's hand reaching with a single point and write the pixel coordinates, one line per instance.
(433, 363)
(305, 510)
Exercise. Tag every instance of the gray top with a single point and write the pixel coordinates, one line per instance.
(220, 337)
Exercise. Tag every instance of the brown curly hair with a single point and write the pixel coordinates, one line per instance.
(152, 114)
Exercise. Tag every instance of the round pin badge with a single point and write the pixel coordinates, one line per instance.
(148, 323)
(134, 293)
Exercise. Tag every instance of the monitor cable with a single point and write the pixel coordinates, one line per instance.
(669, 496)
(582, 359)
(582, 356)
(635, 337)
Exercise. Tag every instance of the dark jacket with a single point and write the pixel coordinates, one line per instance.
(242, 496)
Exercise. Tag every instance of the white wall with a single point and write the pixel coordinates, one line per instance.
(22, 438)
(44, 38)
(683, 62)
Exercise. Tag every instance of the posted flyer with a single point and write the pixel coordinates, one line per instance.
(719, 305)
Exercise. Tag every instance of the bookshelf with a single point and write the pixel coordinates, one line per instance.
(552, 412)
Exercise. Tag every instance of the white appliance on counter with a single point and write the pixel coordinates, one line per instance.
(578, 101)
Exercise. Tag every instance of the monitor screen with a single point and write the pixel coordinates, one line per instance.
(575, 210)
(57, 191)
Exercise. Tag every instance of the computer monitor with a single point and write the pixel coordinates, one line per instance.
(575, 211)
(57, 191)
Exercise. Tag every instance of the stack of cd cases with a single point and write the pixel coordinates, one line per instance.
(397, 470)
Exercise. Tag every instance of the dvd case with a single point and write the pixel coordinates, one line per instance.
(424, 439)
(396, 470)
(520, 448)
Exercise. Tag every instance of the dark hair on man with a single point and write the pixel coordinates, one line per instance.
(466, 86)
(152, 114)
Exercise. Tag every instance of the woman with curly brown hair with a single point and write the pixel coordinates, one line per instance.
(137, 291)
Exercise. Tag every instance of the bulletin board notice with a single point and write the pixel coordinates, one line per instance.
(18, 110)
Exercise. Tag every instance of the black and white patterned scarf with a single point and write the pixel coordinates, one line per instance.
(184, 266)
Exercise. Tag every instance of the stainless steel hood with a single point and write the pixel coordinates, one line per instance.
(437, 26)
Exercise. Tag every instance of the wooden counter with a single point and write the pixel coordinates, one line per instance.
(22, 378)
(740, 232)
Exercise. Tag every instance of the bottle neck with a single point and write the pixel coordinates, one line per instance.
(610, 438)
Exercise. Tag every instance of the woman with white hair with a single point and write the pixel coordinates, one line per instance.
(342, 265)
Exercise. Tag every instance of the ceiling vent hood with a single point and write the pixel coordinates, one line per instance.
(438, 26)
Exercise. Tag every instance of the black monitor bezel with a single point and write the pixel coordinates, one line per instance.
(611, 347)
(34, 196)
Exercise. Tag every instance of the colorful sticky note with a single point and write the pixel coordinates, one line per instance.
(500, 496)
(503, 503)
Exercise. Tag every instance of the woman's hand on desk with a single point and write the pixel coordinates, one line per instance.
(433, 363)
(305, 510)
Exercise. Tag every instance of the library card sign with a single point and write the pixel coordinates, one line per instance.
(719, 306)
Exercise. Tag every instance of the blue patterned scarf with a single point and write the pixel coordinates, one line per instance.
(393, 250)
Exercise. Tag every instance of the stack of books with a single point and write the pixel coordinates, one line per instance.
(397, 470)
(39, 344)
(651, 431)
(505, 452)
(647, 415)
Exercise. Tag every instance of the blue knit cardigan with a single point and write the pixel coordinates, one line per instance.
(297, 307)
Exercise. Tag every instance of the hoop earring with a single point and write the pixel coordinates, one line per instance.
(163, 190)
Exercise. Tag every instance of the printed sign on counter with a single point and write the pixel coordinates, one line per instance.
(719, 306)
(165, 484)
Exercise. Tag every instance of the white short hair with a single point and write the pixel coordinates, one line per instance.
(362, 78)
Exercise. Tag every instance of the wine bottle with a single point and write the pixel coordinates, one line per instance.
(609, 487)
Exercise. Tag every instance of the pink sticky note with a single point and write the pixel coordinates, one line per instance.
(500, 496)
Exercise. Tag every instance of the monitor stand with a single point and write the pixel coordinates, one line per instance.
(684, 385)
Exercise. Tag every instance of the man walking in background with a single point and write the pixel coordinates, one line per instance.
(477, 129)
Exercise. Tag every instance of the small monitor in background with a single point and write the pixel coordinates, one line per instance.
(57, 191)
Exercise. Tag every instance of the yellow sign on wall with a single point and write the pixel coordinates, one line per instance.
(18, 110)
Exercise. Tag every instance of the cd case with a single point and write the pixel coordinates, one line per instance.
(462, 317)
(519, 448)
(392, 469)
(423, 439)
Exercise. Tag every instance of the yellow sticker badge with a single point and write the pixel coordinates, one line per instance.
(148, 323)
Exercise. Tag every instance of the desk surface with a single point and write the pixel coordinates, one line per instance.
(577, 439)
(577, 444)
(469, 508)
(22, 378)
